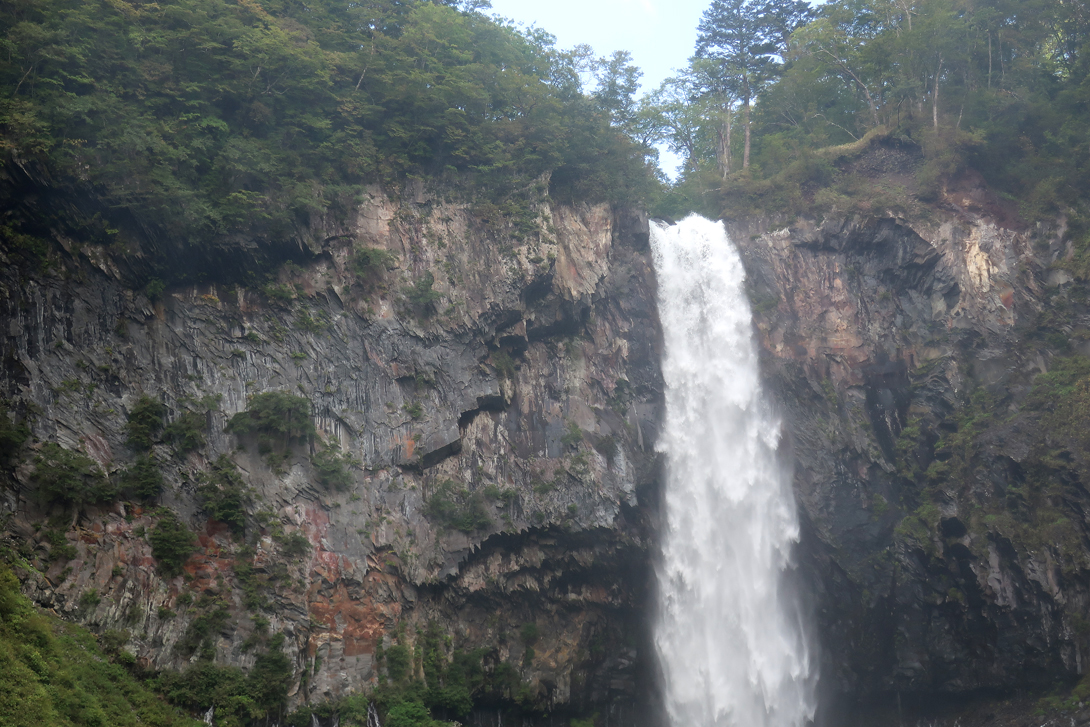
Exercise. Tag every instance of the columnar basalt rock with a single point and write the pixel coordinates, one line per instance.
(526, 393)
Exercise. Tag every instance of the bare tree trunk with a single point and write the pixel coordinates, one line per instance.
(745, 153)
(723, 133)
(989, 59)
(935, 96)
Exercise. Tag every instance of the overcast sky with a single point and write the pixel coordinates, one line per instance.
(660, 34)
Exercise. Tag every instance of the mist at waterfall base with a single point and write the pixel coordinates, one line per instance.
(730, 635)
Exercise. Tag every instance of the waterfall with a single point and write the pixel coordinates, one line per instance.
(730, 636)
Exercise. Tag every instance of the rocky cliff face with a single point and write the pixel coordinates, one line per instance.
(503, 438)
(505, 481)
(944, 528)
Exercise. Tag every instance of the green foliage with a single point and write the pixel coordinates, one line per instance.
(187, 431)
(453, 507)
(211, 617)
(155, 289)
(224, 495)
(286, 109)
(69, 478)
(145, 422)
(239, 698)
(371, 263)
(333, 468)
(529, 633)
(398, 661)
(142, 480)
(572, 436)
(293, 545)
(505, 365)
(850, 90)
(171, 543)
(274, 413)
(420, 296)
(53, 673)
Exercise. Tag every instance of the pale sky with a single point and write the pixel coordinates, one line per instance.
(660, 34)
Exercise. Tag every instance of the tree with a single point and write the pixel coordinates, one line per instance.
(747, 38)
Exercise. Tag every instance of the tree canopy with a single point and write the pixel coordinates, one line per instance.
(205, 120)
(997, 85)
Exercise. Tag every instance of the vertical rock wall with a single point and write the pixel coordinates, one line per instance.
(527, 395)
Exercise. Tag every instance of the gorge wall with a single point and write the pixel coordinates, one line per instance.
(940, 478)
(505, 492)
(503, 434)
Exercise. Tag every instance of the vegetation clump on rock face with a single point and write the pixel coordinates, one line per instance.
(71, 479)
(224, 495)
(145, 422)
(453, 507)
(171, 543)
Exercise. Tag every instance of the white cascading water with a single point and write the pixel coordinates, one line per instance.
(730, 636)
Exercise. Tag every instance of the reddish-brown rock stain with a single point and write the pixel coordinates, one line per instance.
(359, 618)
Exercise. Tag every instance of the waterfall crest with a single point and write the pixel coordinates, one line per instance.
(730, 636)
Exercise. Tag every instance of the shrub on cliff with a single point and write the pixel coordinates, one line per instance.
(145, 422)
(224, 495)
(171, 543)
(333, 468)
(143, 479)
(239, 698)
(453, 507)
(274, 414)
(71, 479)
(12, 435)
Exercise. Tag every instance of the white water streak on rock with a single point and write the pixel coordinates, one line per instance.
(729, 635)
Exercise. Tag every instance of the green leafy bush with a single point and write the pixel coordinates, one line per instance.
(12, 435)
(224, 495)
(274, 414)
(53, 674)
(371, 263)
(70, 478)
(333, 468)
(293, 545)
(145, 422)
(453, 507)
(171, 543)
(420, 295)
(187, 431)
(143, 479)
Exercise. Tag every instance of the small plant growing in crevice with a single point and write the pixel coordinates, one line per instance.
(457, 508)
(333, 468)
(572, 436)
(420, 296)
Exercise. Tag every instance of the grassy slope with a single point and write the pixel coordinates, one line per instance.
(53, 674)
